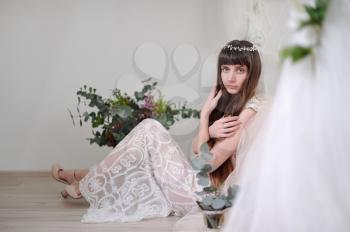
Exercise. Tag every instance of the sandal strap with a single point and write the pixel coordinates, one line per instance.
(61, 170)
(75, 177)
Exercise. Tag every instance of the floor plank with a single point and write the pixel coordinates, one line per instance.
(30, 201)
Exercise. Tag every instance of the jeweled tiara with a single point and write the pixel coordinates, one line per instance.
(230, 47)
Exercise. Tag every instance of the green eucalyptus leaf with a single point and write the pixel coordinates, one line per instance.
(97, 121)
(208, 200)
(228, 204)
(218, 203)
(203, 206)
(71, 116)
(96, 133)
(204, 148)
(92, 115)
(202, 174)
(139, 96)
(92, 103)
(197, 163)
(200, 193)
(99, 101)
(122, 111)
(210, 189)
(86, 116)
(207, 168)
(203, 181)
(232, 191)
(206, 156)
(166, 120)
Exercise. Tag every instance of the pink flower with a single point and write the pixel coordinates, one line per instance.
(149, 102)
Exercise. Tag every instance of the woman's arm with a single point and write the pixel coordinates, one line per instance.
(225, 148)
(228, 126)
(203, 132)
(202, 136)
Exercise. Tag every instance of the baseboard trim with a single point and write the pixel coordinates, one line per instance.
(25, 173)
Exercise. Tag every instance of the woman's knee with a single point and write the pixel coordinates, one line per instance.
(150, 122)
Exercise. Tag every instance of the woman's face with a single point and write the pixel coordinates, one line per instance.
(233, 77)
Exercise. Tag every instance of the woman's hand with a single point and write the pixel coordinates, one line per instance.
(203, 131)
(211, 102)
(225, 127)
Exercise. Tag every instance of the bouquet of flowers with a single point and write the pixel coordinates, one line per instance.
(113, 118)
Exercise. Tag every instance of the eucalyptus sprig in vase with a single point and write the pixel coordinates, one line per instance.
(211, 200)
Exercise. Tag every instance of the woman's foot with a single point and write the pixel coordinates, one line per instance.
(66, 176)
(72, 191)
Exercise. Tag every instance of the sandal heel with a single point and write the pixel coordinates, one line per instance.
(71, 192)
(64, 194)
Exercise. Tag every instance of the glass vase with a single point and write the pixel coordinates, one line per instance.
(214, 219)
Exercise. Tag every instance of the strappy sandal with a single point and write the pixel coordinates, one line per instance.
(55, 169)
(70, 189)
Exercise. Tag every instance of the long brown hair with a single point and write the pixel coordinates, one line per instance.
(232, 104)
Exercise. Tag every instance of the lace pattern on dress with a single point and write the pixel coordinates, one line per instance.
(145, 176)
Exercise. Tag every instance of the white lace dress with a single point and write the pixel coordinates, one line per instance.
(145, 176)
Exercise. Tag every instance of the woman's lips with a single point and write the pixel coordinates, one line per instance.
(231, 87)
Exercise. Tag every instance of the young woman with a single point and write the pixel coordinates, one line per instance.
(147, 175)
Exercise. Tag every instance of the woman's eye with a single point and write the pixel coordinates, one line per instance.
(241, 70)
(225, 69)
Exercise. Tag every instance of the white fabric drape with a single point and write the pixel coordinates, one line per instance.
(295, 177)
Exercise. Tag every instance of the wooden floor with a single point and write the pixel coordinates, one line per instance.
(30, 201)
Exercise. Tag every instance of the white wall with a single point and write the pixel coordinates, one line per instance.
(51, 48)
(265, 23)
(48, 49)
